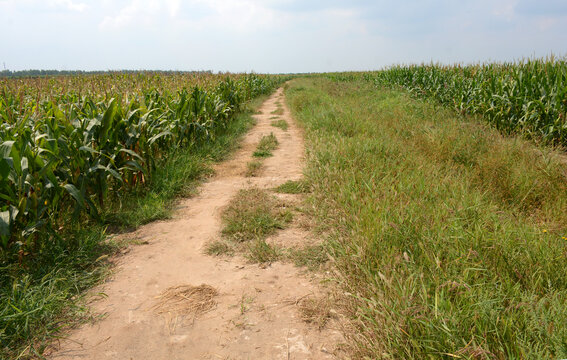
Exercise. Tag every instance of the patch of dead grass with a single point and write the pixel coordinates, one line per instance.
(187, 300)
(316, 310)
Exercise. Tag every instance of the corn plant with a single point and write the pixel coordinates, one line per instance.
(528, 97)
(66, 143)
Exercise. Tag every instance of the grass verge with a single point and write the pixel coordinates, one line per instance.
(312, 256)
(39, 299)
(450, 236)
(293, 187)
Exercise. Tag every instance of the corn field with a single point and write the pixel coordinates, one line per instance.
(67, 142)
(528, 97)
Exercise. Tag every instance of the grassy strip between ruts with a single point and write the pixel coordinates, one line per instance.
(250, 217)
(281, 123)
(450, 237)
(37, 302)
(267, 144)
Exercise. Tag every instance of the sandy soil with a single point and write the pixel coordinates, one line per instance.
(256, 310)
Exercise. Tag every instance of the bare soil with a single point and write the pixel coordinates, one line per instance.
(168, 300)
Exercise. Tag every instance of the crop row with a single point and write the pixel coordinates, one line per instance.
(63, 151)
(528, 97)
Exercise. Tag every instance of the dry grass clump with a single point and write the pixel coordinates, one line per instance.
(253, 168)
(219, 248)
(187, 300)
(315, 310)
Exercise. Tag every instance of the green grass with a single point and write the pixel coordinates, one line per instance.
(312, 256)
(267, 144)
(38, 299)
(47, 296)
(450, 237)
(219, 248)
(293, 187)
(254, 214)
(282, 124)
(526, 96)
(251, 217)
(278, 111)
(261, 252)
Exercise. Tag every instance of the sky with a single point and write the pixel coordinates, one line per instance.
(274, 36)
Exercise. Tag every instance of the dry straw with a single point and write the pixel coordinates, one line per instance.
(186, 300)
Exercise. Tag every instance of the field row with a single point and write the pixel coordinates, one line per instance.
(528, 97)
(69, 143)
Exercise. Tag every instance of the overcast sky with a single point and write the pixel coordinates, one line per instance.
(274, 35)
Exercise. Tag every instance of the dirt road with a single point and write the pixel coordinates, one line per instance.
(254, 311)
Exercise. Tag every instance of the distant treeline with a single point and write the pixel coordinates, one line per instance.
(36, 73)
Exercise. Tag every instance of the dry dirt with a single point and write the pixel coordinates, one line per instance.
(249, 311)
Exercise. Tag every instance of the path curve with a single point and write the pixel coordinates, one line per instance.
(256, 316)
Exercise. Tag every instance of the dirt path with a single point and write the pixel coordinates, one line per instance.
(256, 314)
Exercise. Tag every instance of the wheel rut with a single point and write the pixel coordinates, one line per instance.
(234, 309)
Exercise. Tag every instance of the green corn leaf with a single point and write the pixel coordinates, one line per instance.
(6, 148)
(4, 169)
(5, 223)
(88, 149)
(76, 194)
(131, 152)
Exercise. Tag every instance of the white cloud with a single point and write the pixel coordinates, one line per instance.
(173, 7)
(254, 16)
(38, 4)
(138, 11)
(545, 23)
(504, 8)
(69, 4)
(235, 16)
(146, 12)
(242, 16)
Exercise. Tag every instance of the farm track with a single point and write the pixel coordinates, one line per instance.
(256, 315)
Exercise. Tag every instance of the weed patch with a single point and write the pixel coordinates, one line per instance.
(310, 256)
(282, 124)
(293, 187)
(253, 214)
(267, 144)
(219, 248)
(253, 168)
(261, 252)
